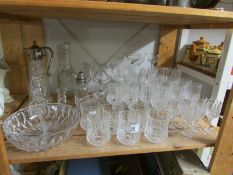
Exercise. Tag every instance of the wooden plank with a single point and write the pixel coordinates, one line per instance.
(9, 108)
(32, 30)
(200, 69)
(114, 10)
(211, 26)
(77, 147)
(167, 46)
(13, 51)
(4, 163)
(222, 159)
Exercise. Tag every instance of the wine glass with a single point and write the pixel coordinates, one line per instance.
(101, 75)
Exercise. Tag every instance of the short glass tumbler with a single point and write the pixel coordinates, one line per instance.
(156, 130)
(129, 127)
(98, 129)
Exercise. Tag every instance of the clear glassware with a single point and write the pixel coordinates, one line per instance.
(184, 3)
(38, 73)
(131, 93)
(101, 75)
(135, 60)
(172, 110)
(196, 91)
(213, 110)
(41, 127)
(81, 89)
(67, 76)
(98, 129)
(112, 112)
(89, 105)
(123, 71)
(61, 96)
(113, 94)
(145, 94)
(144, 111)
(129, 127)
(160, 95)
(156, 130)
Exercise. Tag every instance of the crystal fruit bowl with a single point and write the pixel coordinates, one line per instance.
(41, 127)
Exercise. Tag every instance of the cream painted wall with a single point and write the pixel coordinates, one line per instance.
(101, 39)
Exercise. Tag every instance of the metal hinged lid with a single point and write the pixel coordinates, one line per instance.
(81, 77)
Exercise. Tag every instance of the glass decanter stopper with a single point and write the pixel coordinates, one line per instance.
(38, 74)
(67, 76)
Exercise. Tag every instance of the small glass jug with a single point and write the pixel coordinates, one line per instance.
(38, 74)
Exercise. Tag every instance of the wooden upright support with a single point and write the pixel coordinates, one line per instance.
(222, 160)
(167, 46)
(4, 163)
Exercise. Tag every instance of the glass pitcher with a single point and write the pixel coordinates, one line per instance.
(38, 74)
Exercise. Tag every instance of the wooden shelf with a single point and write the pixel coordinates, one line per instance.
(114, 11)
(77, 147)
(199, 73)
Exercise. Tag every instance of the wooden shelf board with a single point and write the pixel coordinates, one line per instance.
(83, 9)
(13, 106)
(77, 147)
(199, 73)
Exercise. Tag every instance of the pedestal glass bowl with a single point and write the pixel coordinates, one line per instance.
(41, 127)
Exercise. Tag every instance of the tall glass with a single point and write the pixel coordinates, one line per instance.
(89, 106)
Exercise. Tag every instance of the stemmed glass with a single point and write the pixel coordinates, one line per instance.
(213, 110)
(101, 75)
(131, 90)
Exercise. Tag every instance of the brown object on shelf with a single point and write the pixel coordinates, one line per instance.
(193, 55)
(201, 43)
(220, 47)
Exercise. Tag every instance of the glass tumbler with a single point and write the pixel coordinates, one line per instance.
(112, 112)
(156, 130)
(129, 127)
(89, 107)
(61, 96)
(98, 129)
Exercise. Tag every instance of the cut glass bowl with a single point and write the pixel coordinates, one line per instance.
(40, 127)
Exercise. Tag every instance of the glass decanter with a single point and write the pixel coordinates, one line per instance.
(38, 73)
(67, 76)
